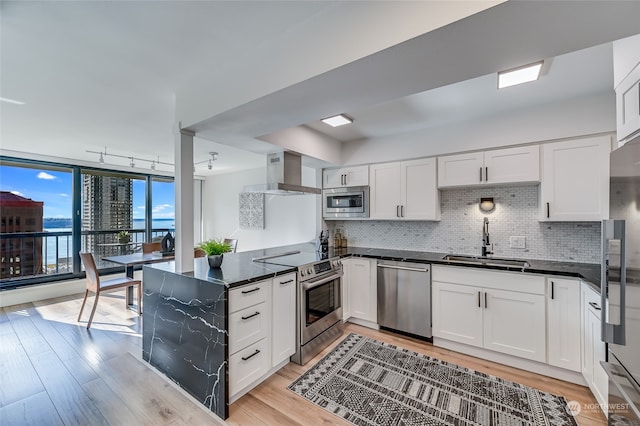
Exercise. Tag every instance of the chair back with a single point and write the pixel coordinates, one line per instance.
(93, 278)
(151, 247)
(233, 244)
(198, 252)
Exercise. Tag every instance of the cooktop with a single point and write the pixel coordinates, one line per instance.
(292, 258)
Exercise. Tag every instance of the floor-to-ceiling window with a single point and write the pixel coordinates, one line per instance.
(50, 212)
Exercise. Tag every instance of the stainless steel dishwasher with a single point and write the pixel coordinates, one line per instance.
(404, 297)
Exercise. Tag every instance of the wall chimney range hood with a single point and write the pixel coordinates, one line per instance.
(284, 176)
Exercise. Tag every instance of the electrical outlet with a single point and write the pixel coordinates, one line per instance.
(516, 242)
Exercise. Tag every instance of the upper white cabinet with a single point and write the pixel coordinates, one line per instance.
(360, 282)
(490, 310)
(626, 73)
(563, 323)
(404, 190)
(345, 176)
(575, 180)
(500, 166)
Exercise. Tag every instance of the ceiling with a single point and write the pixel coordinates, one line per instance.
(104, 75)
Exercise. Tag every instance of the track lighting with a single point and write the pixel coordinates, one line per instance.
(153, 164)
(101, 159)
(132, 164)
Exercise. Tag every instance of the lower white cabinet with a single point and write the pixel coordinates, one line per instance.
(248, 365)
(593, 348)
(500, 311)
(563, 323)
(359, 285)
(283, 338)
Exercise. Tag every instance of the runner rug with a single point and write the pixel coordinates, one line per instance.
(368, 382)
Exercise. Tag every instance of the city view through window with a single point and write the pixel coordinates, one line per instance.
(37, 220)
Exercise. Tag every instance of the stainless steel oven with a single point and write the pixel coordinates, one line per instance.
(319, 308)
(343, 203)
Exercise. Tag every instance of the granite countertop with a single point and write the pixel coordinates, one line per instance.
(239, 269)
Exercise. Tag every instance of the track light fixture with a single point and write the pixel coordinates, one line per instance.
(153, 164)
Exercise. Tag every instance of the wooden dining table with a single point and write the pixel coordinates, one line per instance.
(130, 261)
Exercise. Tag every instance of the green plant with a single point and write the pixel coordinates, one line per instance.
(214, 246)
(122, 234)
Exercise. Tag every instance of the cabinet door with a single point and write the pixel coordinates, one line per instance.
(385, 197)
(512, 165)
(461, 169)
(563, 323)
(362, 289)
(346, 279)
(332, 178)
(600, 384)
(283, 330)
(575, 180)
(457, 314)
(356, 176)
(514, 323)
(247, 366)
(628, 106)
(420, 195)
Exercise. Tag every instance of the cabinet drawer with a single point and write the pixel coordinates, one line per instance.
(248, 365)
(251, 294)
(592, 301)
(248, 326)
(508, 281)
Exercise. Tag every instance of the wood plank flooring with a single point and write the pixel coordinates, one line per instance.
(53, 371)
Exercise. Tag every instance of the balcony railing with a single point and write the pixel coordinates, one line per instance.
(37, 254)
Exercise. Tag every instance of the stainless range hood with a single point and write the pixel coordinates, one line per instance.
(284, 176)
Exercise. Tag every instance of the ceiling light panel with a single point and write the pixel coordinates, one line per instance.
(338, 120)
(519, 75)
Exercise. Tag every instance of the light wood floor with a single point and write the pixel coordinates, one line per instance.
(55, 372)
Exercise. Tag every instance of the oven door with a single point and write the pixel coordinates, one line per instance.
(320, 305)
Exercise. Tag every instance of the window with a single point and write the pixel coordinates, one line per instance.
(163, 212)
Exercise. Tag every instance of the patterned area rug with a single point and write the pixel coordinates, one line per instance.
(373, 383)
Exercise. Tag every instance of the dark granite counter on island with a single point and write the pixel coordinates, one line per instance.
(185, 321)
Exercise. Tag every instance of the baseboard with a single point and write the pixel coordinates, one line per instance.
(363, 323)
(513, 361)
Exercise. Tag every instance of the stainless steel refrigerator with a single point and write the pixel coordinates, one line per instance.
(620, 286)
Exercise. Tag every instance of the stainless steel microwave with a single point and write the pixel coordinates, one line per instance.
(344, 203)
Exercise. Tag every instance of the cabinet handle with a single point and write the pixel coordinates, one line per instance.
(250, 291)
(552, 289)
(397, 211)
(345, 179)
(595, 306)
(251, 316)
(244, 358)
(479, 300)
(286, 282)
(547, 210)
(480, 174)
(486, 174)
(401, 211)
(485, 300)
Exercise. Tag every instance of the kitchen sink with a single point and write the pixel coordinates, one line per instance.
(489, 261)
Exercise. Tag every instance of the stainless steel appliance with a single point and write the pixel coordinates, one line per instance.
(404, 297)
(319, 300)
(620, 286)
(341, 203)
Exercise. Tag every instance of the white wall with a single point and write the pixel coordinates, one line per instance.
(288, 219)
(577, 117)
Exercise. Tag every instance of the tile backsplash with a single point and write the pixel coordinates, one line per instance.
(460, 228)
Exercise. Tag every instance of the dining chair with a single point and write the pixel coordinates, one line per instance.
(151, 247)
(198, 252)
(97, 286)
(232, 243)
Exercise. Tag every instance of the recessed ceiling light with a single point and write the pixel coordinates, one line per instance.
(11, 101)
(338, 120)
(519, 75)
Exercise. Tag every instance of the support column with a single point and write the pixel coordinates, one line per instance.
(184, 200)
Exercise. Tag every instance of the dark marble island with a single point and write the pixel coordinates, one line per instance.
(185, 324)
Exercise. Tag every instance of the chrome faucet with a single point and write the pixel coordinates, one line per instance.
(485, 238)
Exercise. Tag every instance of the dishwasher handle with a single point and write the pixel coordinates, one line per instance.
(404, 268)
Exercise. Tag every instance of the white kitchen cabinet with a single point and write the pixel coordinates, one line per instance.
(283, 336)
(404, 190)
(500, 311)
(360, 280)
(594, 349)
(626, 76)
(345, 176)
(500, 166)
(575, 180)
(563, 323)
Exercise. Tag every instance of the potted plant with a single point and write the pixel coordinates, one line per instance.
(214, 249)
(123, 237)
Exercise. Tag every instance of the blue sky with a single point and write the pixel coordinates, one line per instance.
(55, 189)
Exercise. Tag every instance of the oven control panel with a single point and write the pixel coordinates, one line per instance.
(319, 268)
